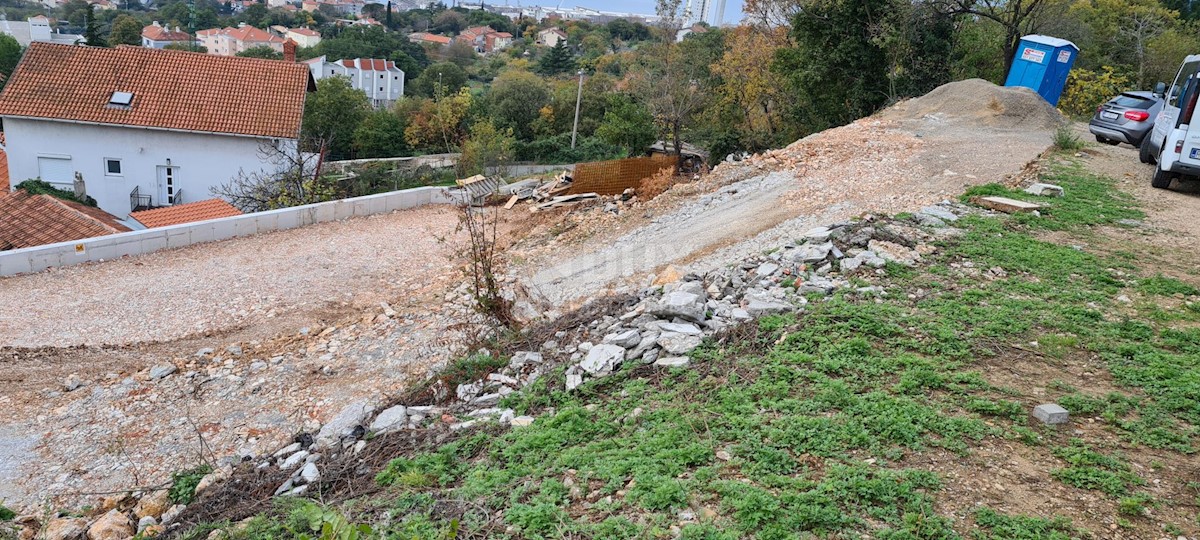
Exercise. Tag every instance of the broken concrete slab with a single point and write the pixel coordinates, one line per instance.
(677, 344)
(602, 359)
(939, 212)
(1045, 190)
(1007, 205)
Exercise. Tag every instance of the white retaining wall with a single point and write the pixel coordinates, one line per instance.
(38, 258)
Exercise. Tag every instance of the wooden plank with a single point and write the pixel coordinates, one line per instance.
(1007, 205)
(512, 201)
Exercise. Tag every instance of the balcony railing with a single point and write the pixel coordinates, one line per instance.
(137, 201)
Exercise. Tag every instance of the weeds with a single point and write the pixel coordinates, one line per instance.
(183, 483)
(1065, 139)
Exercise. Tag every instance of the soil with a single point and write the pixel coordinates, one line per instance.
(901, 159)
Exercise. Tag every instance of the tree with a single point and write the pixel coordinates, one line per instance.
(293, 178)
(627, 124)
(449, 22)
(437, 125)
(1121, 31)
(760, 96)
(91, 28)
(486, 147)
(461, 53)
(381, 134)
(10, 54)
(558, 60)
(1014, 16)
(190, 47)
(673, 83)
(332, 114)
(515, 101)
(126, 30)
(261, 51)
(447, 74)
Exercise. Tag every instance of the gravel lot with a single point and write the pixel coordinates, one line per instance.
(268, 280)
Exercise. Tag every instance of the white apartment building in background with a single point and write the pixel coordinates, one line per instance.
(381, 80)
(36, 29)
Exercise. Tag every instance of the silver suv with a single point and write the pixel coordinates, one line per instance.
(1174, 143)
(1127, 118)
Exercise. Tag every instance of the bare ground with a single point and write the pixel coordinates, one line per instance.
(901, 159)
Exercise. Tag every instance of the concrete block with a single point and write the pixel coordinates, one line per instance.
(245, 226)
(1051, 413)
(179, 237)
(15, 263)
(202, 233)
(1045, 190)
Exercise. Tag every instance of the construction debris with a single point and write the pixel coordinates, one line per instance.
(1007, 205)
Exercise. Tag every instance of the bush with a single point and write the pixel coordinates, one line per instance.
(1086, 90)
(39, 187)
(1066, 139)
(183, 483)
(557, 149)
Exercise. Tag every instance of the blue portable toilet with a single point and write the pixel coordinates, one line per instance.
(1042, 63)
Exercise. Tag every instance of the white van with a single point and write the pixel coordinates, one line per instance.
(1175, 141)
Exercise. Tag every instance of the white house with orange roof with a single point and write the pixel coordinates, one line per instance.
(157, 36)
(303, 37)
(145, 128)
(229, 41)
(381, 80)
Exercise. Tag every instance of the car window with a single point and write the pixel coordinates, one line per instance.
(1133, 102)
(1185, 74)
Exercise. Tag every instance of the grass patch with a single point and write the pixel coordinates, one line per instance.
(183, 483)
(1164, 286)
(996, 526)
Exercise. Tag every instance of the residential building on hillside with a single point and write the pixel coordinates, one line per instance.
(229, 41)
(485, 39)
(303, 37)
(37, 28)
(145, 128)
(551, 36)
(426, 37)
(157, 36)
(381, 80)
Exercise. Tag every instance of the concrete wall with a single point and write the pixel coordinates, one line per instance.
(141, 152)
(36, 259)
(518, 171)
(436, 161)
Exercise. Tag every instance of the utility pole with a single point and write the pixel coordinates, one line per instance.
(578, 98)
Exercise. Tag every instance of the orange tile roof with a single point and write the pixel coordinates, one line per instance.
(251, 34)
(306, 32)
(171, 89)
(185, 213)
(432, 38)
(5, 184)
(155, 32)
(34, 220)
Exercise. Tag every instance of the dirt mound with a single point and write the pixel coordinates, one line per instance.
(979, 101)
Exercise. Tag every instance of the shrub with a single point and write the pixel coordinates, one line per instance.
(183, 483)
(40, 187)
(1087, 89)
(1066, 139)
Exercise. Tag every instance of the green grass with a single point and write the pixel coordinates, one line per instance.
(6, 514)
(183, 483)
(814, 425)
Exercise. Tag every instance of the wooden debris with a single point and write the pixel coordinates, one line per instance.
(563, 200)
(1007, 205)
(512, 201)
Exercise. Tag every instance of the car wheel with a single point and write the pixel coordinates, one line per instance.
(1101, 140)
(1161, 179)
(1144, 154)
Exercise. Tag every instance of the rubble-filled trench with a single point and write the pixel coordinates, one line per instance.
(131, 429)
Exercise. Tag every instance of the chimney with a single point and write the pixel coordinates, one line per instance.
(80, 189)
(289, 51)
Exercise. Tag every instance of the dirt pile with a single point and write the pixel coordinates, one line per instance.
(979, 101)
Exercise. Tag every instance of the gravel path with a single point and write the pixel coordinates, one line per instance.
(279, 278)
(902, 159)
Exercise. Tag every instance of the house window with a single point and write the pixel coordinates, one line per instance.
(380, 88)
(112, 167)
(121, 99)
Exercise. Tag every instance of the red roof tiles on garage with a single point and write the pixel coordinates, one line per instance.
(171, 89)
(185, 213)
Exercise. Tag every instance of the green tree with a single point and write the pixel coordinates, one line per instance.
(558, 60)
(126, 30)
(91, 28)
(262, 51)
(486, 146)
(515, 101)
(381, 134)
(10, 54)
(332, 114)
(190, 47)
(447, 74)
(627, 124)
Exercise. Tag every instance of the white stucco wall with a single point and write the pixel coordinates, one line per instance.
(202, 161)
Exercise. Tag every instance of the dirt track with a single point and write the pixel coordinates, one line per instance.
(902, 159)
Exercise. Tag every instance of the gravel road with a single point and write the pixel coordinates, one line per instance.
(269, 280)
